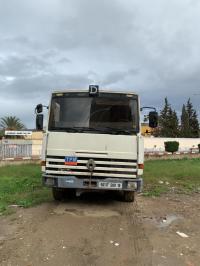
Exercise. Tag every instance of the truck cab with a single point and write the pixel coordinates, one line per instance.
(92, 142)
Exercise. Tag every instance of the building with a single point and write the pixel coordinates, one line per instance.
(146, 130)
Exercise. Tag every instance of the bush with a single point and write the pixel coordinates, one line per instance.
(171, 146)
(199, 147)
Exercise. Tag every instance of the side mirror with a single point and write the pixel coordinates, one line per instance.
(39, 121)
(39, 108)
(153, 119)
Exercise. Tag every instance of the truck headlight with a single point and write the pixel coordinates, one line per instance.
(49, 181)
(132, 185)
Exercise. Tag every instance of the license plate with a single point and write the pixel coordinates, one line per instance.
(110, 185)
(70, 160)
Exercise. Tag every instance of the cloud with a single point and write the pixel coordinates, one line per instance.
(41, 86)
(17, 66)
(152, 49)
(118, 76)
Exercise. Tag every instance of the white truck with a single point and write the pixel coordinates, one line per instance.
(93, 142)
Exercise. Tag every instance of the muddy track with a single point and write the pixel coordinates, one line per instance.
(139, 242)
(98, 229)
(87, 231)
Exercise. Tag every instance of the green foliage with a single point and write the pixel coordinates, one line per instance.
(199, 147)
(180, 176)
(185, 126)
(194, 124)
(193, 121)
(1, 134)
(146, 118)
(168, 122)
(21, 185)
(189, 121)
(11, 123)
(171, 146)
(163, 119)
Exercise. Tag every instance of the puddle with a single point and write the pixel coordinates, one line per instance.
(163, 222)
(168, 220)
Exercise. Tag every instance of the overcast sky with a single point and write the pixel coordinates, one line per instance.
(150, 47)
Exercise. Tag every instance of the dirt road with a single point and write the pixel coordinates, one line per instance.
(97, 229)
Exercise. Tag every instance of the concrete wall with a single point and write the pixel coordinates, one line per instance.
(157, 144)
(36, 148)
(151, 145)
(36, 135)
(12, 148)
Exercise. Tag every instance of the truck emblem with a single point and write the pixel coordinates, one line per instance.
(91, 165)
(70, 160)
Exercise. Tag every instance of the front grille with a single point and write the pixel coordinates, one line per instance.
(105, 167)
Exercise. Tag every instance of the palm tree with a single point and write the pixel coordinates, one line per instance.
(11, 123)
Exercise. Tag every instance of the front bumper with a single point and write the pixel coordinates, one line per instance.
(134, 184)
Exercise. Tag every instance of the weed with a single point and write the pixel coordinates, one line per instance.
(21, 185)
(181, 176)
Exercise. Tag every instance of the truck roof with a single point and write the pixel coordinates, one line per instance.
(100, 90)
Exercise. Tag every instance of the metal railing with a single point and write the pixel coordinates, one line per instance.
(15, 149)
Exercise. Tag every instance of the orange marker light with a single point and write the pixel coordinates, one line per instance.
(140, 166)
(43, 163)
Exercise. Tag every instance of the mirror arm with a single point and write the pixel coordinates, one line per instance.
(148, 107)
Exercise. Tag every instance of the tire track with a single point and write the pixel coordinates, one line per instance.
(140, 244)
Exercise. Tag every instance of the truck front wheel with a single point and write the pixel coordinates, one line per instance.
(57, 193)
(129, 196)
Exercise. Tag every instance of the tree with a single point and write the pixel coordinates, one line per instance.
(174, 124)
(146, 118)
(194, 124)
(189, 121)
(168, 122)
(1, 134)
(163, 121)
(189, 108)
(192, 120)
(11, 123)
(185, 126)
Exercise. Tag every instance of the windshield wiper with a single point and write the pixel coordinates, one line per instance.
(105, 130)
(89, 129)
(102, 130)
(65, 129)
(119, 130)
(124, 131)
(112, 130)
(77, 129)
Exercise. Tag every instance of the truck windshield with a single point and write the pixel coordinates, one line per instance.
(110, 114)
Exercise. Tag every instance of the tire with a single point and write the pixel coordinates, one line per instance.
(69, 193)
(57, 193)
(129, 196)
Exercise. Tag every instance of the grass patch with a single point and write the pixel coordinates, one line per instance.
(21, 185)
(181, 176)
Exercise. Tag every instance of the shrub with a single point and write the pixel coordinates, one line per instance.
(199, 147)
(171, 146)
